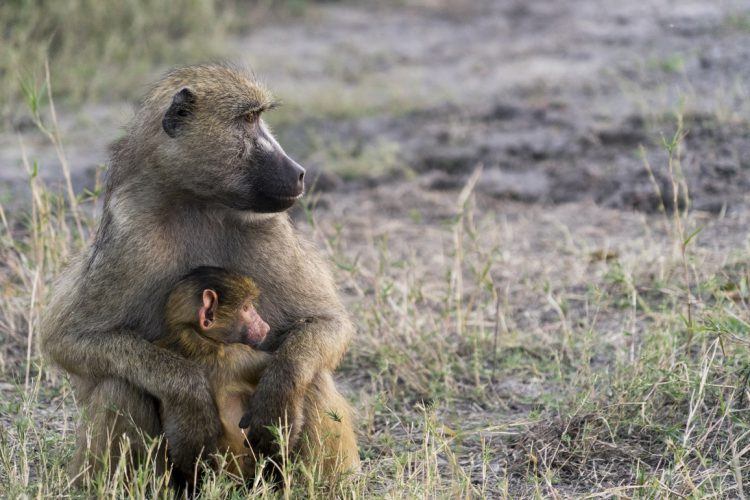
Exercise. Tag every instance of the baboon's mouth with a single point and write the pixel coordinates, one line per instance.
(290, 198)
(274, 203)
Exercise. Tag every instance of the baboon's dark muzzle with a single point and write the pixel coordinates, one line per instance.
(279, 183)
(294, 176)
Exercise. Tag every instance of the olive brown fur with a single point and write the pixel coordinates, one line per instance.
(197, 180)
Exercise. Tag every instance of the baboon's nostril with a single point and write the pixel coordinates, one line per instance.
(296, 175)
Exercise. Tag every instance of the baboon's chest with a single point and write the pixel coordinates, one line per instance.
(260, 255)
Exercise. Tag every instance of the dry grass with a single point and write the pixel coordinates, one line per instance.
(533, 352)
(106, 49)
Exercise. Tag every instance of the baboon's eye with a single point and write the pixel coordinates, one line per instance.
(252, 117)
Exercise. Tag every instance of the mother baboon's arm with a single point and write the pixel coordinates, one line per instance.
(313, 342)
(188, 414)
(314, 345)
(321, 329)
(80, 334)
(125, 355)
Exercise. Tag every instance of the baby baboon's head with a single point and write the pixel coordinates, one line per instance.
(209, 141)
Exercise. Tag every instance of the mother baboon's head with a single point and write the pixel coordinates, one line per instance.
(202, 131)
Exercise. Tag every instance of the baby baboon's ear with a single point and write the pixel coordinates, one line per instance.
(207, 312)
(179, 112)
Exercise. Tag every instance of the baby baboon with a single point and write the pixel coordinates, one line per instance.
(196, 180)
(211, 319)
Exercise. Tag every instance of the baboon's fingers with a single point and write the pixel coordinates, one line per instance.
(262, 442)
(245, 421)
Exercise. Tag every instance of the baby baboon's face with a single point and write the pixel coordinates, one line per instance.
(218, 147)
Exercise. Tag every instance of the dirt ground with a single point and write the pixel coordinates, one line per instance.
(553, 99)
(555, 108)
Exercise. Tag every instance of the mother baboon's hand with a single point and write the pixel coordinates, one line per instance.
(191, 425)
(271, 407)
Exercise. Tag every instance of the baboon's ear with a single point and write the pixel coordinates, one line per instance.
(179, 112)
(207, 312)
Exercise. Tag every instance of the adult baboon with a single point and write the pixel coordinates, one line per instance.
(197, 180)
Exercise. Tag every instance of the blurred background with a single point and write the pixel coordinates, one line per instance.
(552, 98)
(536, 211)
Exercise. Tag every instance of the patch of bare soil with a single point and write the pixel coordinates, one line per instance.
(554, 100)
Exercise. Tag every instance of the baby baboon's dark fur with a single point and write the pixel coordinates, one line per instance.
(197, 181)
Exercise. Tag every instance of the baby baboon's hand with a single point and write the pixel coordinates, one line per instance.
(268, 410)
(191, 426)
